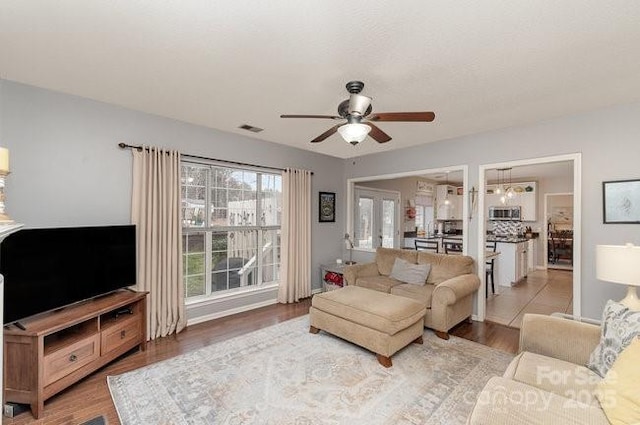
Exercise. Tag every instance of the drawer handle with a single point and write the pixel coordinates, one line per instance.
(122, 334)
(73, 358)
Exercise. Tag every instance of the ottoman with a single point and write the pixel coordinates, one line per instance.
(380, 322)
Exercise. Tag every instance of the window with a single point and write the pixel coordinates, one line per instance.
(424, 218)
(376, 218)
(231, 228)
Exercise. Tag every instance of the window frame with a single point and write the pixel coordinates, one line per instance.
(208, 229)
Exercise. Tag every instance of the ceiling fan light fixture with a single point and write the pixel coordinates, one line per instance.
(354, 133)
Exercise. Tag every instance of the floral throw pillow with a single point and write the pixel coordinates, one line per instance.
(619, 327)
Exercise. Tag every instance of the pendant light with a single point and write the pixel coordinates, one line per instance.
(498, 190)
(446, 194)
(501, 190)
(510, 193)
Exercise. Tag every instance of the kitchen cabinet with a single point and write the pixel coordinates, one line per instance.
(526, 197)
(491, 198)
(532, 254)
(513, 262)
(452, 211)
(528, 201)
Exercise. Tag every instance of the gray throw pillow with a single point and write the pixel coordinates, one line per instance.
(619, 327)
(415, 274)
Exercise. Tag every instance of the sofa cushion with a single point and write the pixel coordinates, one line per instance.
(557, 376)
(386, 257)
(444, 267)
(384, 312)
(619, 392)
(619, 327)
(377, 283)
(419, 293)
(415, 274)
(503, 401)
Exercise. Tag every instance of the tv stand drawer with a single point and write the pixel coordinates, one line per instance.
(68, 359)
(125, 332)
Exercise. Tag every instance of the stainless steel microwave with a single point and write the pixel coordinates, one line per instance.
(505, 213)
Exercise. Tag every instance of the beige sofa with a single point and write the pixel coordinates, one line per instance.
(547, 383)
(447, 295)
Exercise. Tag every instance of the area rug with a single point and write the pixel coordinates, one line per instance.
(285, 375)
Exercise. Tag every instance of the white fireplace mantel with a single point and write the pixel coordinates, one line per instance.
(5, 230)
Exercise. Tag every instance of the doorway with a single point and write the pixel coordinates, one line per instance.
(377, 218)
(574, 162)
(558, 240)
(411, 192)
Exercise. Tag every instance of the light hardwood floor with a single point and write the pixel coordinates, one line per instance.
(90, 397)
(541, 292)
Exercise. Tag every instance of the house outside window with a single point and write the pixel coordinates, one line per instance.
(230, 229)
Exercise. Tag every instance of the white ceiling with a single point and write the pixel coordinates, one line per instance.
(479, 65)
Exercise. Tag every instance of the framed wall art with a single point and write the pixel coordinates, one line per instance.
(327, 207)
(621, 201)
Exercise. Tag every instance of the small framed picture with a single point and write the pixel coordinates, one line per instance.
(327, 208)
(621, 202)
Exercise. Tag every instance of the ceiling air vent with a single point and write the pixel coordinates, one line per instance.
(251, 128)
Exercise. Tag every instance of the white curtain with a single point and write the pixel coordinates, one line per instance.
(155, 210)
(295, 275)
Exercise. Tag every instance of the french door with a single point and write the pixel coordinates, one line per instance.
(376, 219)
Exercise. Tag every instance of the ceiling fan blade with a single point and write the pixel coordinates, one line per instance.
(358, 104)
(402, 116)
(329, 117)
(377, 134)
(326, 134)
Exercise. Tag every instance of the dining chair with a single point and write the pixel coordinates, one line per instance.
(427, 245)
(562, 247)
(453, 246)
(489, 267)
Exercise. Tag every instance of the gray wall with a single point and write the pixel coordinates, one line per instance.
(608, 141)
(68, 171)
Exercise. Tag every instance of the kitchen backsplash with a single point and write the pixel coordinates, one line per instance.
(507, 227)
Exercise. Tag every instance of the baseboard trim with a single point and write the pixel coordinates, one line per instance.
(219, 314)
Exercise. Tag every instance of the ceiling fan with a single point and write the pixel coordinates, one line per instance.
(357, 111)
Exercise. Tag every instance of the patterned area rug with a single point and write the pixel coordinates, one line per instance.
(285, 375)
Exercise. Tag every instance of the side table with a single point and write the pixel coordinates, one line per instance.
(331, 276)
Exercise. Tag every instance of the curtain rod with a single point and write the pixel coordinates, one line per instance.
(123, 145)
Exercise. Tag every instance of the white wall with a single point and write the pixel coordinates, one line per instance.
(607, 140)
(68, 171)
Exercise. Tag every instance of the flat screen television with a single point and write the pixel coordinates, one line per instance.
(47, 269)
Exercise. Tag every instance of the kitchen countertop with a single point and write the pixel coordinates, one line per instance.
(436, 237)
(507, 239)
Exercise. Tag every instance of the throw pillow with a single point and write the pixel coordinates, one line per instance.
(619, 327)
(415, 274)
(619, 392)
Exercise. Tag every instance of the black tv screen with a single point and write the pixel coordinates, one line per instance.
(45, 269)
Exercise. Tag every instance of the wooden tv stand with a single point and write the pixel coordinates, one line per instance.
(59, 348)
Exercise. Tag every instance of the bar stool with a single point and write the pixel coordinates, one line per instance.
(489, 266)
